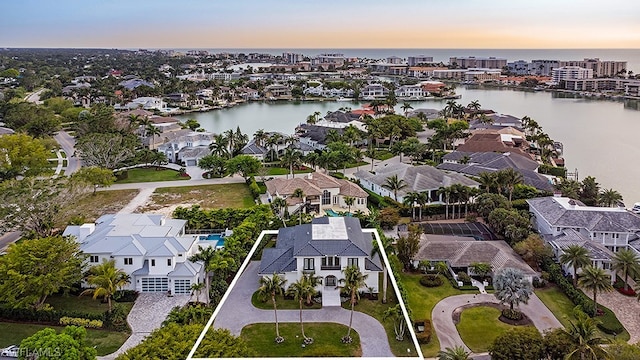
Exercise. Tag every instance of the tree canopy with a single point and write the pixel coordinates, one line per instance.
(107, 150)
(22, 155)
(49, 345)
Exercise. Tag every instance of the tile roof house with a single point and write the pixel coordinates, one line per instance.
(322, 192)
(489, 141)
(418, 179)
(603, 231)
(459, 253)
(474, 163)
(152, 249)
(323, 248)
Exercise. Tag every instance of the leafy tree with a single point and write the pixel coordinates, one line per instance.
(34, 269)
(577, 257)
(627, 262)
(392, 183)
(590, 191)
(557, 344)
(106, 150)
(511, 223)
(511, 287)
(587, 339)
(596, 280)
(68, 345)
(243, 165)
(213, 163)
(533, 250)
(22, 155)
(95, 176)
(107, 279)
(520, 343)
(455, 353)
(191, 124)
(32, 205)
(353, 281)
(622, 351)
(272, 286)
(408, 246)
(58, 105)
(35, 120)
(218, 343)
(99, 119)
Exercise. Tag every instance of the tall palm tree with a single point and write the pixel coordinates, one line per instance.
(455, 353)
(206, 255)
(406, 107)
(290, 158)
(272, 286)
(488, 181)
(299, 193)
(627, 262)
(577, 257)
(197, 289)
(107, 279)
(610, 197)
(388, 248)
(353, 281)
(219, 146)
(349, 200)
(446, 193)
(300, 290)
(394, 184)
(596, 280)
(509, 178)
(259, 137)
(586, 339)
(280, 204)
(410, 199)
(152, 131)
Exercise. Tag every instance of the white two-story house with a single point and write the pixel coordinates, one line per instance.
(323, 248)
(152, 249)
(601, 230)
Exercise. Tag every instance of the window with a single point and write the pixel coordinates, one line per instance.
(335, 199)
(153, 262)
(179, 255)
(331, 262)
(308, 264)
(352, 262)
(606, 266)
(168, 262)
(94, 259)
(326, 198)
(128, 261)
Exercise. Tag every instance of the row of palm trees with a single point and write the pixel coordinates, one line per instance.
(229, 143)
(625, 261)
(304, 289)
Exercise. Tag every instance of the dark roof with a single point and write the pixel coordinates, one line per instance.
(494, 160)
(570, 237)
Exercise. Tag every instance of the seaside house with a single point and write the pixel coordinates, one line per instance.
(323, 248)
(152, 249)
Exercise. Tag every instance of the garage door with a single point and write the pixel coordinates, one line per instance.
(191, 163)
(182, 286)
(155, 284)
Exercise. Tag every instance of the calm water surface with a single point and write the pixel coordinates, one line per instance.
(601, 138)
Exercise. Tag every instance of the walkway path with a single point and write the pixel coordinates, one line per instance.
(237, 312)
(442, 316)
(148, 313)
(626, 308)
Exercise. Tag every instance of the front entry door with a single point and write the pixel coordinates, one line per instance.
(330, 281)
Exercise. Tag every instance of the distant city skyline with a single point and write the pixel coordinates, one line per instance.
(543, 24)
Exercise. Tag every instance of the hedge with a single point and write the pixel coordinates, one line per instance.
(44, 316)
(94, 324)
(431, 280)
(576, 296)
(425, 336)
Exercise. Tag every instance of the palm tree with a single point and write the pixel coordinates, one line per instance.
(410, 200)
(512, 287)
(197, 289)
(290, 158)
(586, 339)
(455, 353)
(280, 204)
(388, 248)
(219, 146)
(206, 255)
(509, 178)
(353, 281)
(577, 257)
(259, 137)
(628, 262)
(300, 290)
(349, 201)
(406, 107)
(107, 279)
(610, 197)
(299, 193)
(394, 184)
(488, 181)
(446, 191)
(152, 131)
(422, 199)
(272, 286)
(595, 279)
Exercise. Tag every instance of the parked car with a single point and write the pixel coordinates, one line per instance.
(11, 351)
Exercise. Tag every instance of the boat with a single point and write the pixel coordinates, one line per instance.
(343, 99)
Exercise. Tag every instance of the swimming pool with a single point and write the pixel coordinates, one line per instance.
(332, 213)
(214, 237)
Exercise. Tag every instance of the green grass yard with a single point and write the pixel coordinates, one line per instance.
(150, 174)
(106, 342)
(82, 303)
(260, 339)
(282, 303)
(479, 327)
(207, 196)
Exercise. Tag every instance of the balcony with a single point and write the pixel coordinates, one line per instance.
(309, 271)
(327, 267)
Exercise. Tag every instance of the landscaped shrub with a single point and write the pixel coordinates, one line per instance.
(576, 296)
(44, 316)
(431, 280)
(609, 323)
(619, 285)
(538, 282)
(464, 277)
(423, 336)
(468, 287)
(116, 319)
(512, 314)
(125, 296)
(93, 324)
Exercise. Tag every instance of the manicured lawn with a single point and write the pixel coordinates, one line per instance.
(383, 155)
(95, 205)
(422, 300)
(82, 303)
(105, 342)
(260, 338)
(281, 302)
(151, 174)
(479, 327)
(207, 196)
(562, 308)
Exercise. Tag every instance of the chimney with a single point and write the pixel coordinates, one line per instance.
(85, 230)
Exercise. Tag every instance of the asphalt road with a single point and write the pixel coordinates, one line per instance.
(67, 143)
(8, 238)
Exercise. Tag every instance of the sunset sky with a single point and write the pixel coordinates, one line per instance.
(321, 24)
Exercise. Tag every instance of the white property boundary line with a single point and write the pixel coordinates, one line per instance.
(246, 263)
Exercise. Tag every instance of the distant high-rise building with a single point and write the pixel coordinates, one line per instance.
(570, 73)
(544, 67)
(478, 62)
(292, 58)
(419, 59)
(600, 68)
